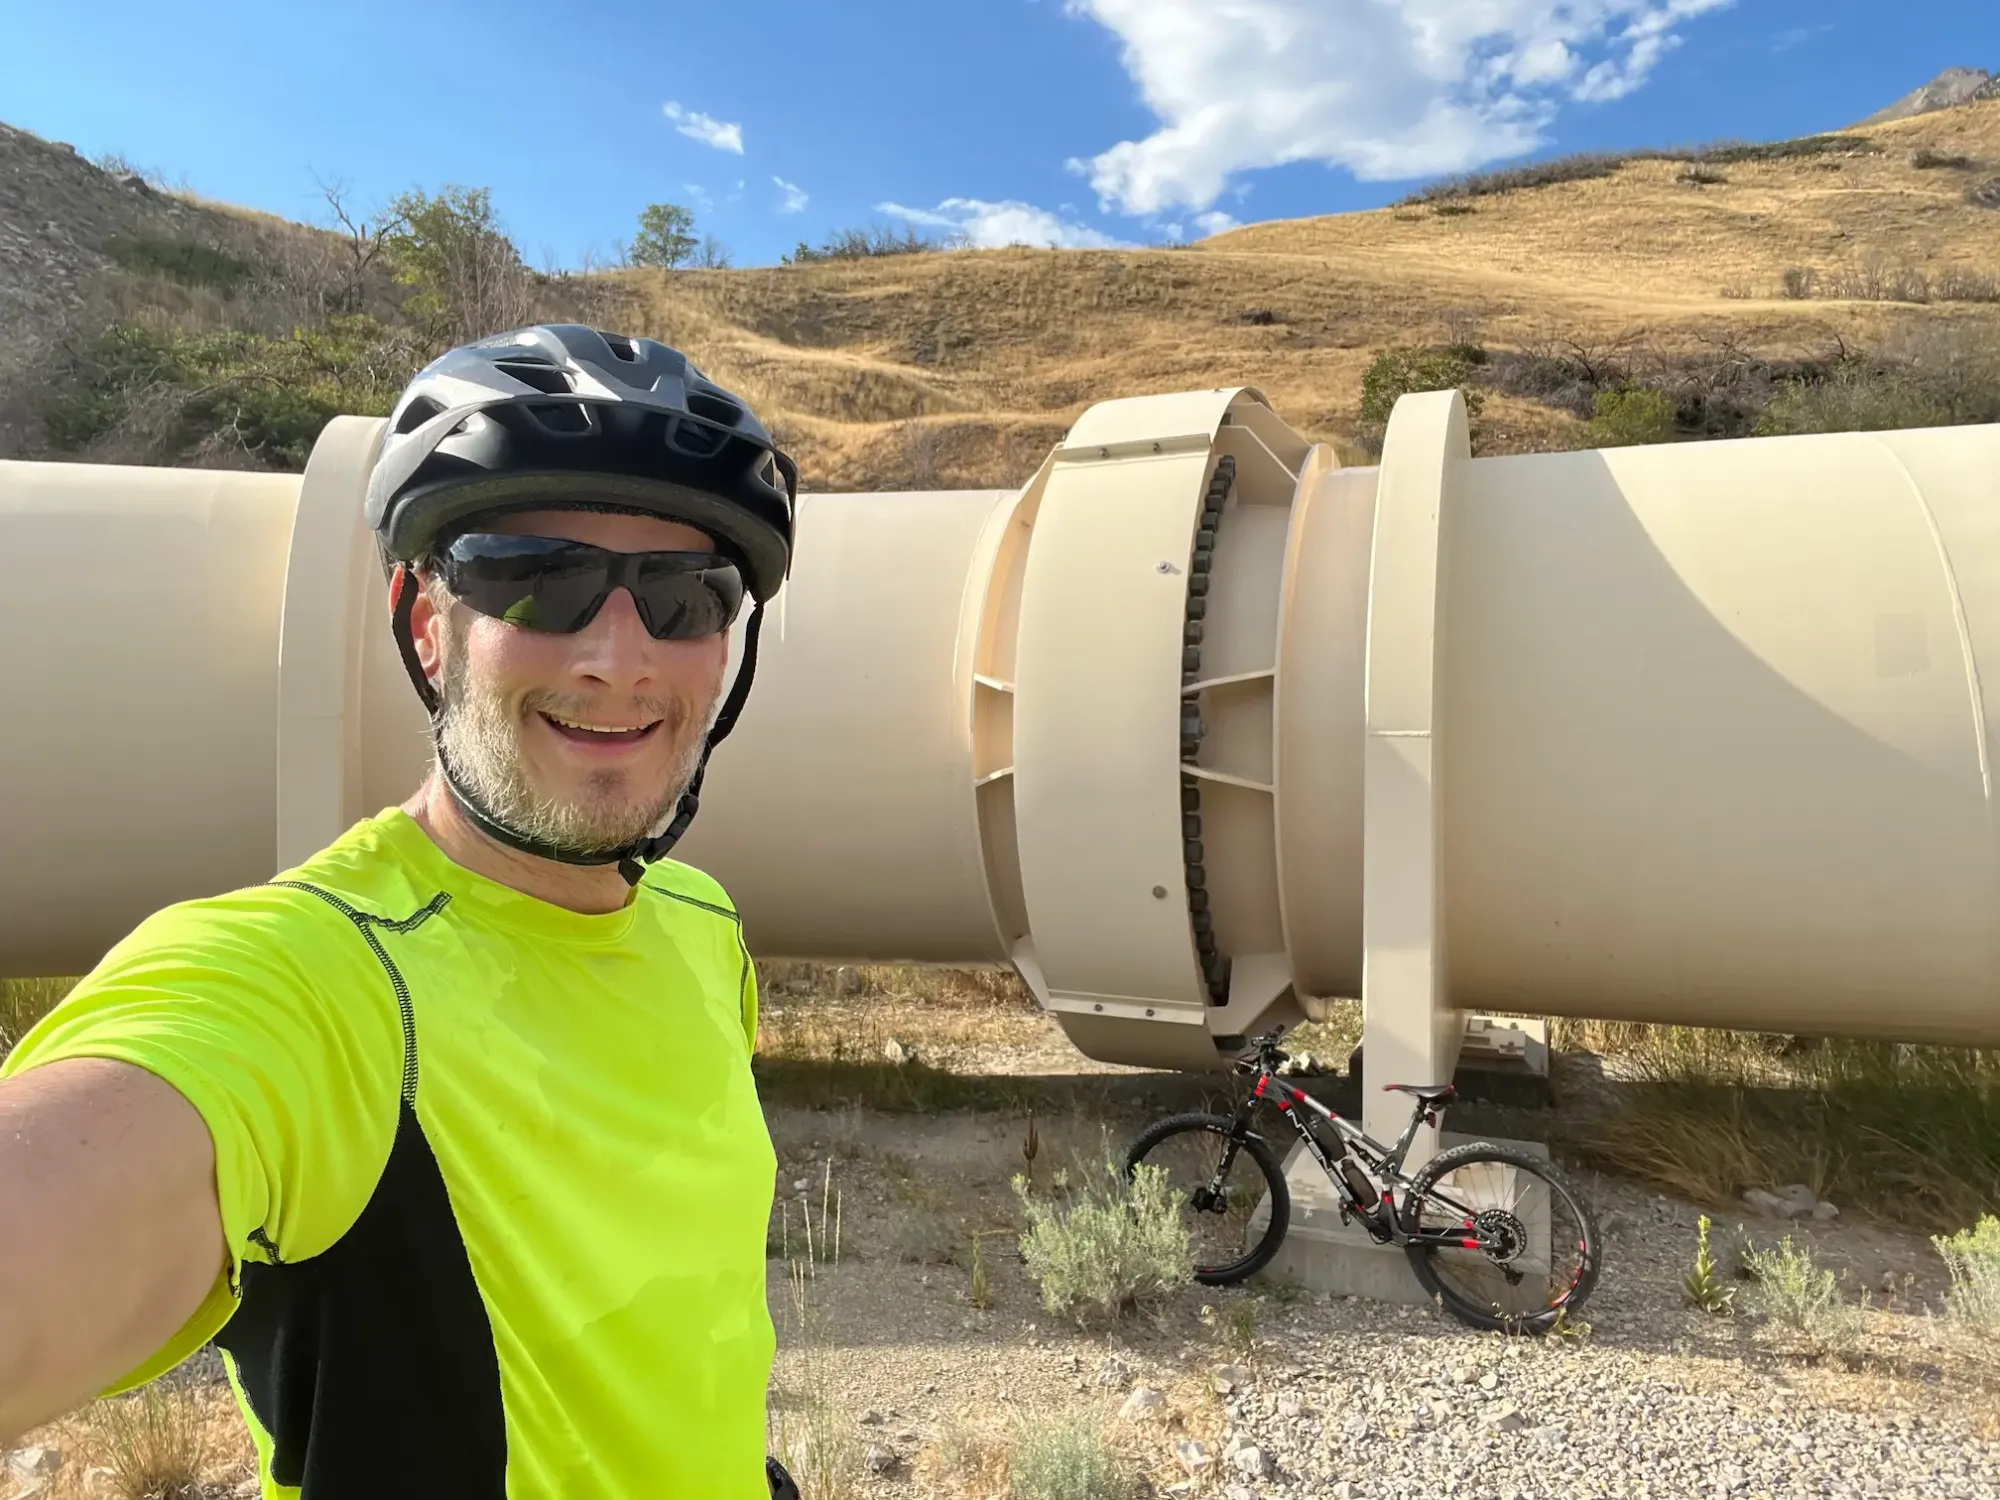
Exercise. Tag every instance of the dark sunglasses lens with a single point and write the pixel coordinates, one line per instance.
(685, 596)
(533, 582)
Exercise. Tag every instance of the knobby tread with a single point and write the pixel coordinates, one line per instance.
(1558, 1180)
(1259, 1150)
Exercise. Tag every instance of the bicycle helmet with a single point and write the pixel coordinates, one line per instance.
(560, 415)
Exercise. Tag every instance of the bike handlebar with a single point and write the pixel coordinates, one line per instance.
(1258, 1049)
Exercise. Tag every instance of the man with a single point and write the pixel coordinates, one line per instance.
(447, 1137)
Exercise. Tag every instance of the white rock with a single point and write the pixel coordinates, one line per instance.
(1143, 1403)
(1113, 1372)
(1252, 1461)
(1489, 1381)
(1230, 1378)
(1770, 1205)
(878, 1459)
(1194, 1458)
(1825, 1211)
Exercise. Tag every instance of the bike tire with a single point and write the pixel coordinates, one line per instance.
(1278, 1195)
(1557, 1181)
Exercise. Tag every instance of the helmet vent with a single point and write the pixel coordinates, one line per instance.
(561, 416)
(714, 408)
(622, 347)
(543, 377)
(419, 411)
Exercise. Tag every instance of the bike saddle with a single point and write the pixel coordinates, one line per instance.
(1427, 1095)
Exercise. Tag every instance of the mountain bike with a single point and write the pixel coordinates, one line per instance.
(1498, 1235)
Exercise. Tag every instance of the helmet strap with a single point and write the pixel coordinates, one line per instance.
(632, 858)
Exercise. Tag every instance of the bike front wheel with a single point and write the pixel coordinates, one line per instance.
(1502, 1237)
(1228, 1189)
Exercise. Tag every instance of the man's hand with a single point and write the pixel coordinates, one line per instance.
(110, 1233)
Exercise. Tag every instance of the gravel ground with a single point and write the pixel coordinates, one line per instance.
(1336, 1397)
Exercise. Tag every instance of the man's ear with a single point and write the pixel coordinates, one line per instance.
(426, 624)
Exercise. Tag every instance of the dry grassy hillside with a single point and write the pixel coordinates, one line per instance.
(965, 366)
(1713, 279)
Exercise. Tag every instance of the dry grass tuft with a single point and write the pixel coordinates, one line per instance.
(811, 1430)
(1908, 1132)
(23, 1002)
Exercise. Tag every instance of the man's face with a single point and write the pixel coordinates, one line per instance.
(583, 741)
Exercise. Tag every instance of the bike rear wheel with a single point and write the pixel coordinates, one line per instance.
(1232, 1197)
(1536, 1251)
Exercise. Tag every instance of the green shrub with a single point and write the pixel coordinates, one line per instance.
(1927, 160)
(1631, 415)
(1860, 399)
(1809, 145)
(1973, 1258)
(1065, 1458)
(1398, 371)
(1104, 1246)
(184, 261)
(862, 244)
(1798, 1294)
(267, 397)
(1585, 165)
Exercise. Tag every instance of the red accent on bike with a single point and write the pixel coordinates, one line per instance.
(1260, 1089)
(1470, 1244)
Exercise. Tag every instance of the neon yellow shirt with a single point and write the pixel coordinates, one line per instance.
(493, 1173)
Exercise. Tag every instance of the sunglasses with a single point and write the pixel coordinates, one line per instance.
(544, 583)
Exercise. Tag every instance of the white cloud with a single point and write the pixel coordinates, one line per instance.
(698, 195)
(704, 128)
(795, 197)
(991, 226)
(1214, 222)
(1387, 89)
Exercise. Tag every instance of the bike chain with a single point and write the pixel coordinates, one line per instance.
(1214, 965)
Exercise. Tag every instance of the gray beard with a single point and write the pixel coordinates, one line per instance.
(482, 744)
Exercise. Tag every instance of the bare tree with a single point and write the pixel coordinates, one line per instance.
(363, 248)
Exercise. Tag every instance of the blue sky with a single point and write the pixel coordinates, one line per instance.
(1049, 121)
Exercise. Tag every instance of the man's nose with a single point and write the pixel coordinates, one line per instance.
(612, 648)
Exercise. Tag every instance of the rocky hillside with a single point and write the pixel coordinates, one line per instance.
(1951, 88)
(1719, 285)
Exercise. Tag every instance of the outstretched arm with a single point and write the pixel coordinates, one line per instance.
(110, 1232)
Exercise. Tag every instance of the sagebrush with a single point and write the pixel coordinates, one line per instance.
(1102, 1246)
(1065, 1458)
(1800, 1295)
(1973, 1258)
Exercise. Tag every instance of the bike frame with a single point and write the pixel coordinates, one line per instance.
(1383, 1164)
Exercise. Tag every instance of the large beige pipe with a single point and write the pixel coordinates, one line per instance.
(1693, 733)
(140, 612)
